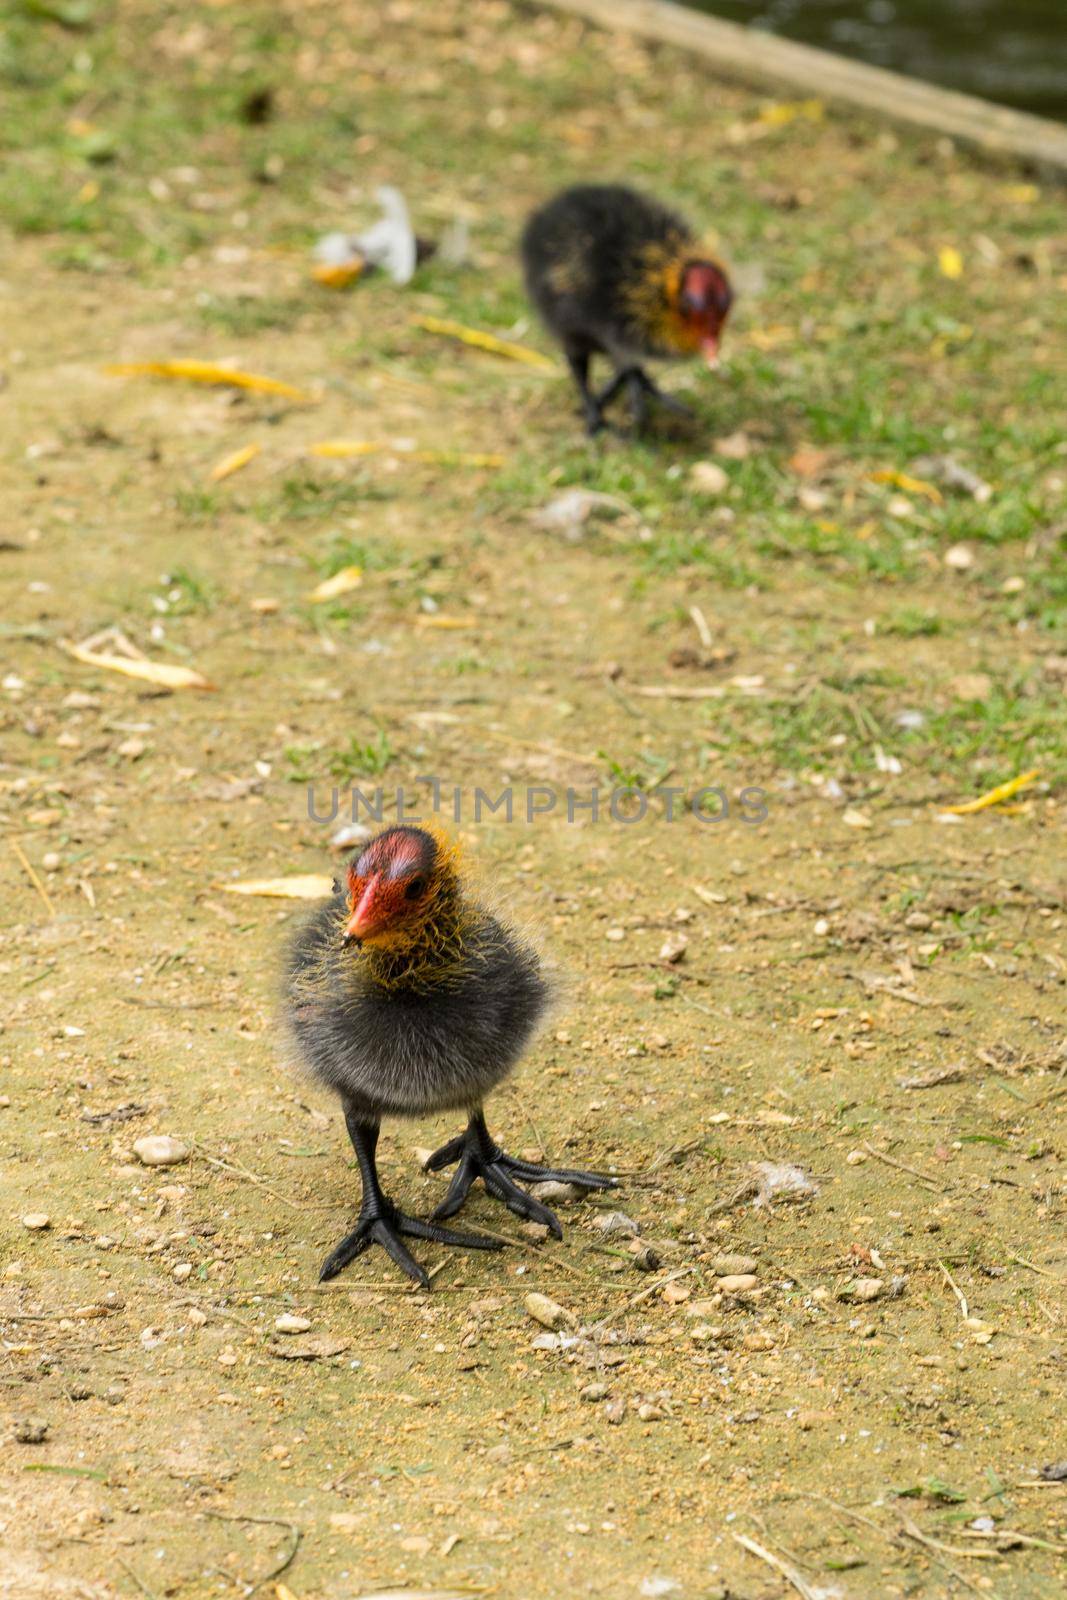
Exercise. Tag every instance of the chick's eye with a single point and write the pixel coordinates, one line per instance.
(414, 888)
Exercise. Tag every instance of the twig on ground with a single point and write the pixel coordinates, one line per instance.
(664, 1159)
(128, 1570)
(956, 1290)
(295, 1536)
(31, 873)
(688, 1000)
(1006, 1537)
(538, 1250)
(250, 1177)
(700, 623)
(937, 1551)
(901, 1166)
(221, 1311)
(744, 1191)
(1044, 1271)
(789, 1573)
(847, 1511)
(642, 1294)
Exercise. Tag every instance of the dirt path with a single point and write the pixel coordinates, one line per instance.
(853, 987)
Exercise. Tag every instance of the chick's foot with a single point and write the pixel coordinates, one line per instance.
(479, 1156)
(382, 1224)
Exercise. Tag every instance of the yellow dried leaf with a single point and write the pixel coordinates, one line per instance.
(161, 673)
(993, 797)
(771, 338)
(301, 886)
(459, 458)
(348, 578)
(340, 448)
(778, 114)
(234, 462)
(337, 276)
(205, 372)
(950, 261)
(901, 480)
(435, 619)
(89, 192)
(1021, 194)
(486, 341)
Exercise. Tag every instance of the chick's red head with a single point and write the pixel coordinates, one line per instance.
(704, 301)
(392, 885)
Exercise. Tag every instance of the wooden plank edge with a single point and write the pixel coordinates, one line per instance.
(759, 57)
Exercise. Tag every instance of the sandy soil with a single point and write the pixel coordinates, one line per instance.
(853, 987)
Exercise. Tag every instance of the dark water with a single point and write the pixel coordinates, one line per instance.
(1014, 51)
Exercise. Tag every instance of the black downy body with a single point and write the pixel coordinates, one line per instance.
(593, 260)
(397, 1032)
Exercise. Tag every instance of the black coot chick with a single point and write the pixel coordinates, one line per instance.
(407, 997)
(615, 273)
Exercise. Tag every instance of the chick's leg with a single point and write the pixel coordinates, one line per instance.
(480, 1156)
(640, 389)
(652, 389)
(379, 1220)
(592, 410)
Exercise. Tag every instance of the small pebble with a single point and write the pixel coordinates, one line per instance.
(287, 1323)
(673, 948)
(615, 1410)
(36, 1220)
(703, 1308)
(349, 834)
(806, 1420)
(649, 1412)
(734, 446)
(160, 1150)
(865, 1289)
(732, 1266)
(647, 1260)
(593, 1392)
(616, 1222)
(553, 1190)
(183, 1270)
(30, 1430)
(737, 1282)
(549, 1313)
(758, 1340)
(708, 477)
(960, 557)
